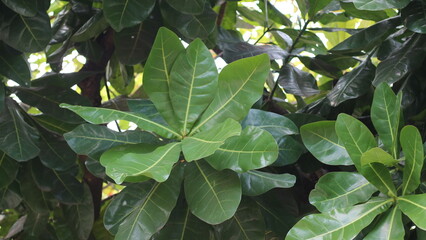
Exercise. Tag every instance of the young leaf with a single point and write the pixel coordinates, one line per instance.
(379, 176)
(379, 156)
(126, 13)
(338, 223)
(140, 159)
(212, 196)
(103, 115)
(390, 227)
(255, 183)
(232, 99)
(355, 136)
(339, 190)
(247, 223)
(193, 83)
(385, 114)
(411, 143)
(414, 206)
(321, 139)
(254, 148)
(205, 143)
(131, 213)
(156, 77)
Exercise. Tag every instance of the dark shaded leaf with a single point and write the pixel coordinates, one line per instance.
(93, 27)
(254, 182)
(414, 18)
(126, 13)
(8, 170)
(10, 197)
(194, 7)
(297, 82)
(35, 224)
(289, 151)
(14, 66)
(329, 65)
(316, 6)
(53, 124)
(63, 80)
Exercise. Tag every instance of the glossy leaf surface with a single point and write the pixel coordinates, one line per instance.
(254, 182)
(321, 139)
(254, 148)
(213, 196)
(338, 190)
(377, 155)
(126, 13)
(188, 6)
(379, 176)
(414, 206)
(15, 67)
(297, 82)
(374, 5)
(390, 227)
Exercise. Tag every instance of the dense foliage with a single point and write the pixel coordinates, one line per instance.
(212, 119)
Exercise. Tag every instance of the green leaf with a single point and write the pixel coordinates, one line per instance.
(379, 176)
(385, 115)
(93, 140)
(339, 223)
(35, 199)
(414, 18)
(338, 190)
(411, 142)
(353, 84)
(47, 100)
(147, 108)
(297, 82)
(355, 136)
(53, 124)
(414, 206)
(247, 223)
(126, 13)
(17, 138)
(140, 159)
(10, 197)
(367, 39)
(254, 183)
(102, 115)
(193, 83)
(62, 80)
(390, 227)
(351, 10)
(14, 66)
(315, 6)
(289, 151)
(375, 5)
(156, 76)
(254, 148)
(377, 155)
(80, 217)
(188, 6)
(35, 224)
(27, 34)
(403, 60)
(189, 25)
(321, 139)
(142, 209)
(25, 8)
(183, 224)
(93, 27)
(275, 124)
(8, 170)
(231, 99)
(205, 143)
(212, 196)
(273, 13)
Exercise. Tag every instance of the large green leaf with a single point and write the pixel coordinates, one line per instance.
(414, 206)
(351, 10)
(140, 159)
(102, 115)
(91, 28)
(142, 209)
(247, 223)
(93, 140)
(375, 5)
(297, 82)
(390, 227)
(27, 34)
(414, 18)
(47, 100)
(205, 143)
(402, 61)
(339, 223)
(35, 199)
(378, 155)
(411, 142)
(379, 176)
(126, 13)
(188, 6)
(275, 124)
(182, 224)
(355, 136)
(8, 170)
(14, 66)
(27, 8)
(189, 25)
(315, 6)
(289, 151)
(321, 139)
(53, 124)
(17, 138)
(193, 83)
(339, 190)
(213, 196)
(156, 77)
(385, 115)
(254, 183)
(236, 93)
(354, 84)
(368, 38)
(254, 148)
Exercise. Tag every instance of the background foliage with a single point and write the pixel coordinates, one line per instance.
(326, 57)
